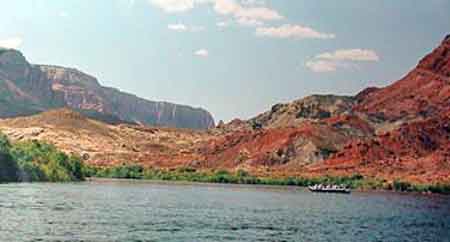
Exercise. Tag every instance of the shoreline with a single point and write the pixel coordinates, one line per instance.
(106, 180)
(354, 181)
(243, 185)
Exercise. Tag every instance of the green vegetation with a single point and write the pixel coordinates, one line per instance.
(3, 50)
(33, 161)
(403, 186)
(8, 166)
(219, 176)
(356, 181)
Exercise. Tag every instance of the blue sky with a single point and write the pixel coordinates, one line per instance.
(235, 58)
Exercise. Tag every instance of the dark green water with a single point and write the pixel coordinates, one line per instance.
(139, 211)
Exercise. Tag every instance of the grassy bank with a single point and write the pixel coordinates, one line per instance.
(355, 181)
(32, 161)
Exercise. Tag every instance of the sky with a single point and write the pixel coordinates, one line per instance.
(235, 58)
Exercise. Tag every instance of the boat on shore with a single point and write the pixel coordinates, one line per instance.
(329, 189)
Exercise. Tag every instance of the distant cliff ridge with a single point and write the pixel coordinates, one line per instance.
(26, 89)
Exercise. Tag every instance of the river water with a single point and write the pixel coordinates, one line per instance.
(148, 211)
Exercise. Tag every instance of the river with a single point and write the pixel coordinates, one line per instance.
(105, 211)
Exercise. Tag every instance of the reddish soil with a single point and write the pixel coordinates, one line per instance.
(401, 131)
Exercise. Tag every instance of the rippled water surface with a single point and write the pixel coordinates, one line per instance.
(140, 211)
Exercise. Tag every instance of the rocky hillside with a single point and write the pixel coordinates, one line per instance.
(412, 121)
(27, 89)
(397, 132)
(423, 92)
(314, 107)
(104, 144)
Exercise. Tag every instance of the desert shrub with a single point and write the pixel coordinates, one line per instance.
(242, 173)
(401, 186)
(355, 181)
(8, 168)
(124, 171)
(43, 162)
(185, 170)
(222, 176)
(36, 161)
(440, 188)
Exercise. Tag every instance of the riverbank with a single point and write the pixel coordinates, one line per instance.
(33, 161)
(355, 181)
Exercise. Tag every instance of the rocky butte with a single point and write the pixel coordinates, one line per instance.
(401, 131)
(29, 89)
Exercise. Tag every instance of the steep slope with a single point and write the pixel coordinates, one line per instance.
(397, 132)
(299, 133)
(27, 89)
(23, 88)
(416, 146)
(83, 92)
(423, 92)
(278, 148)
(418, 151)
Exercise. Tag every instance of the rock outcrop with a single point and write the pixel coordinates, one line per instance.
(315, 107)
(27, 89)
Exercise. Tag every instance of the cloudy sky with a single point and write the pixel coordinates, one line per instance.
(235, 58)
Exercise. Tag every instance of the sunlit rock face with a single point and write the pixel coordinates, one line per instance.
(28, 89)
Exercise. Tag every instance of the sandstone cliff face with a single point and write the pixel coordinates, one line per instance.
(24, 80)
(28, 89)
(23, 88)
(83, 92)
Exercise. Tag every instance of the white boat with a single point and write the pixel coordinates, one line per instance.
(329, 189)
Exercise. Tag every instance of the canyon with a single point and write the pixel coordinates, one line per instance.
(401, 131)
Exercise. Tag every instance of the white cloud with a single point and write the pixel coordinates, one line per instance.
(250, 12)
(345, 58)
(11, 43)
(226, 7)
(252, 2)
(202, 53)
(184, 28)
(259, 13)
(174, 6)
(177, 27)
(351, 55)
(249, 22)
(246, 15)
(292, 31)
(321, 66)
(223, 24)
